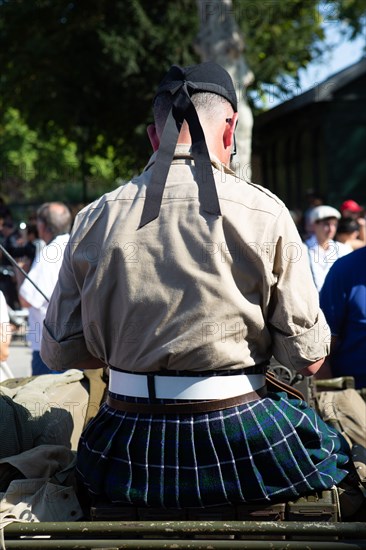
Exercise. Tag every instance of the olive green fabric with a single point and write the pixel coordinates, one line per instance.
(346, 411)
(17, 431)
(48, 409)
(43, 488)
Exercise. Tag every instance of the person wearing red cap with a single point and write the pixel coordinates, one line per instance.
(184, 282)
(351, 209)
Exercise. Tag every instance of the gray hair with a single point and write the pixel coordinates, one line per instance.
(56, 216)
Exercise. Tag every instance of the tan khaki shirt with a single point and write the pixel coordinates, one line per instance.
(188, 291)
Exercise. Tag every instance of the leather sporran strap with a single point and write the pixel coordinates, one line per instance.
(274, 384)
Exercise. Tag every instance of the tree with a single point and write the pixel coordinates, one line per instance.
(89, 69)
(291, 36)
(221, 40)
(32, 167)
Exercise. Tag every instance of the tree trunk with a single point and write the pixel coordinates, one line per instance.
(220, 40)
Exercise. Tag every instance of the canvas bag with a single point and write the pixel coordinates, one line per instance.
(48, 409)
(346, 411)
(42, 488)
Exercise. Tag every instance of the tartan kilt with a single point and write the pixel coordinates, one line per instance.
(273, 449)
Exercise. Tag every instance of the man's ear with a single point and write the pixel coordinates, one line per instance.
(229, 131)
(153, 137)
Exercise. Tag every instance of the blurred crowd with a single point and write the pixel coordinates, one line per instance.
(30, 258)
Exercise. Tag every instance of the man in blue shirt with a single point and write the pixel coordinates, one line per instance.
(343, 301)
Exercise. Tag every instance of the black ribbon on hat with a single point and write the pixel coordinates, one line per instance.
(182, 109)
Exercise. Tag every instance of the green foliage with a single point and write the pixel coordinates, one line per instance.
(91, 66)
(281, 37)
(48, 164)
(284, 36)
(17, 142)
(352, 13)
(77, 78)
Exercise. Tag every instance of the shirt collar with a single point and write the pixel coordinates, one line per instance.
(185, 151)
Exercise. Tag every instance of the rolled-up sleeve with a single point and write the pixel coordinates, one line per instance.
(63, 343)
(305, 347)
(300, 333)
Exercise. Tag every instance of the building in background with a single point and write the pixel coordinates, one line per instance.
(317, 141)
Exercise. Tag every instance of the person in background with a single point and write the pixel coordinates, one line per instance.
(348, 232)
(162, 283)
(53, 225)
(11, 236)
(323, 251)
(28, 252)
(28, 249)
(5, 338)
(313, 200)
(34, 240)
(5, 213)
(8, 283)
(343, 301)
(351, 209)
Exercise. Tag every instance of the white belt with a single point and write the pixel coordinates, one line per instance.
(184, 387)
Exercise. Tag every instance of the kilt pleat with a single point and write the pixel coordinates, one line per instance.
(273, 449)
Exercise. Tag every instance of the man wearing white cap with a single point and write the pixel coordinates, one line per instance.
(323, 250)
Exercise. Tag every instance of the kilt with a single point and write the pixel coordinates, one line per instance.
(273, 449)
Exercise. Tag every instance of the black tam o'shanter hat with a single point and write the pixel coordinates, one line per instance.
(182, 83)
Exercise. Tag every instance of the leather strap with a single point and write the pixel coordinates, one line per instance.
(275, 384)
(187, 407)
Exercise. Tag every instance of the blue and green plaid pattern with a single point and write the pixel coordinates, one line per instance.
(269, 450)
